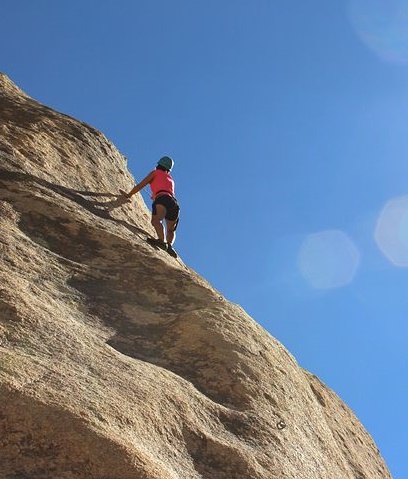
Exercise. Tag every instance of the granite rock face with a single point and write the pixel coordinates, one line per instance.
(117, 361)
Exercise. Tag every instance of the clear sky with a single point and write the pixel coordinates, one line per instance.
(287, 120)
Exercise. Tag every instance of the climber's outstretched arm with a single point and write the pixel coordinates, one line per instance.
(141, 185)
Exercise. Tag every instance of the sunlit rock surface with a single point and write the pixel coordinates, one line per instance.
(118, 361)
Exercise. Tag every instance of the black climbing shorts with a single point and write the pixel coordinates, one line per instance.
(171, 205)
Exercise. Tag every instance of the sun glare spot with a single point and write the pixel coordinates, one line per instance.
(328, 259)
(382, 26)
(391, 233)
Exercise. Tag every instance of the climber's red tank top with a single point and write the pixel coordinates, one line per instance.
(162, 183)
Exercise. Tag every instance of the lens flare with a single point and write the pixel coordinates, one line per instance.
(383, 26)
(391, 233)
(328, 259)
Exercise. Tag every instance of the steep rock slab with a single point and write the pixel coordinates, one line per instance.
(118, 361)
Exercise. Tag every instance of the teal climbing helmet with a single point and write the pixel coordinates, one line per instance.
(166, 162)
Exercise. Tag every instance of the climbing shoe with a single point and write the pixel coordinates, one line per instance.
(171, 251)
(157, 242)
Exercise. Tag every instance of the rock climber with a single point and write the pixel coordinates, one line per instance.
(165, 206)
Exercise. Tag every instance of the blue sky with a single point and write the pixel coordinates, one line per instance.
(287, 121)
